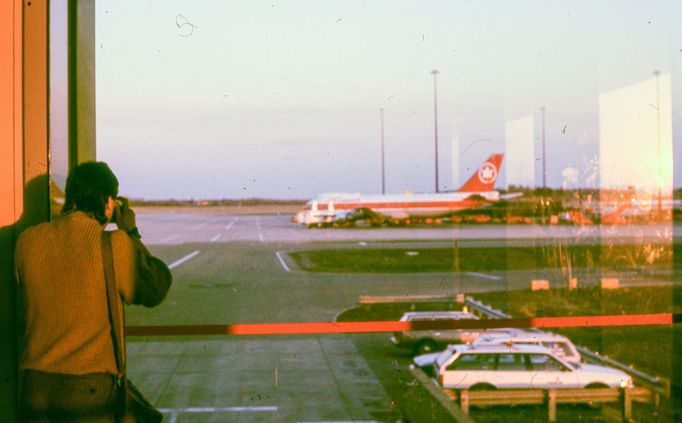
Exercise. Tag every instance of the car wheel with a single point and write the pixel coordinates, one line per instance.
(482, 387)
(425, 346)
(596, 385)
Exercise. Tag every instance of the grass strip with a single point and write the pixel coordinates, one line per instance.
(481, 259)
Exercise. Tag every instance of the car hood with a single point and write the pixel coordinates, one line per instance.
(601, 369)
(425, 359)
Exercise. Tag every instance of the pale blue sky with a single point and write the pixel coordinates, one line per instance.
(281, 99)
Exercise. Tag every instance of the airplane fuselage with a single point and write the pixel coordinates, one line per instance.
(330, 208)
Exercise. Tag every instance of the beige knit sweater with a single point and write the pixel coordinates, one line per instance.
(59, 265)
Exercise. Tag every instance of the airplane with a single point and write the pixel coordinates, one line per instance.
(340, 209)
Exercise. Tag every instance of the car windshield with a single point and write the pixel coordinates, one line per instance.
(560, 347)
(473, 362)
(544, 362)
(511, 362)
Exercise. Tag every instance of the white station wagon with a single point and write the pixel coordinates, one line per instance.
(558, 344)
(515, 367)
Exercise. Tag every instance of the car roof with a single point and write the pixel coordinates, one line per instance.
(454, 349)
(410, 315)
(520, 337)
(493, 349)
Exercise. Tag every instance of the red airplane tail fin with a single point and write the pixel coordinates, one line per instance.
(485, 176)
(615, 216)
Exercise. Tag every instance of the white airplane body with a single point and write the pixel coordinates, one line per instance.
(334, 208)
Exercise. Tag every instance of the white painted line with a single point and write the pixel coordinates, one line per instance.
(170, 238)
(484, 276)
(199, 226)
(227, 228)
(215, 238)
(281, 261)
(175, 411)
(178, 262)
(260, 232)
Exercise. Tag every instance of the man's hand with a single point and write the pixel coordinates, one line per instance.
(124, 216)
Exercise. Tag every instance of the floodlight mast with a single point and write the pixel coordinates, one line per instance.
(544, 169)
(435, 121)
(383, 174)
(657, 73)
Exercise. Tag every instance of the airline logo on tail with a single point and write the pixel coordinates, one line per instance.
(486, 176)
(487, 173)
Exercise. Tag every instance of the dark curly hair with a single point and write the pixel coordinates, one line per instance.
(88, 188)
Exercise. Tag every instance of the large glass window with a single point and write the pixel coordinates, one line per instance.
(298, 163)
(59, 104)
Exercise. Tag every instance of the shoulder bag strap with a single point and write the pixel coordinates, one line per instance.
(112, 301)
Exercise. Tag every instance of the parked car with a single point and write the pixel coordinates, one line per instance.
(518, 366)
(426, 341)
(558, 344)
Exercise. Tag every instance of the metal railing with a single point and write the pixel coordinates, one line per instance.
(553, 397)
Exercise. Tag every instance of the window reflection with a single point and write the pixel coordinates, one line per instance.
(59, 105)
(281, 102)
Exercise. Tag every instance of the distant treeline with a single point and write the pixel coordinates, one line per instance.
(559, 193)
(529, 194)
(223, 202)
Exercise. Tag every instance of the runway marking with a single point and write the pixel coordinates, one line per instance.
(175, 412)
(199, 226)
(484, 276)
(281, 261)
(260, 231)
(170, 238)
(218, 409)
(227, 228)
(215, 238)
(178, 262)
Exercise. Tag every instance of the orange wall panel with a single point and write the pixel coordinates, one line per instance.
(10, 112)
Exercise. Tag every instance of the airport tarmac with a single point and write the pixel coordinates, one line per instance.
(234, 269)
(180, 226)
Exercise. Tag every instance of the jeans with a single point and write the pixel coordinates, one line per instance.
(55, 397)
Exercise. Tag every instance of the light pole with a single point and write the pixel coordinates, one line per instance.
(383, 174)
(544, 170)
(435, 120)
(657, 73)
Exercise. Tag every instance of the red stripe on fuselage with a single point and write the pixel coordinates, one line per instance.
(447, 205)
